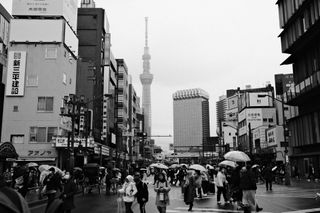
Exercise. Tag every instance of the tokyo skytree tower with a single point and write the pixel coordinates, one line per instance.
(146, 79)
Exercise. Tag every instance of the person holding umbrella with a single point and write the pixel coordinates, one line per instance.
(190, 190)
(221, 183)
(69, 190)
(162, 189)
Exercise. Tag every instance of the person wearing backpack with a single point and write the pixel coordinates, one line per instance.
(142, 192)
(129, 191)
(162, 189)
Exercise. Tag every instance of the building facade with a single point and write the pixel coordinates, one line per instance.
(42, 60)
(191, 120)
(299, 21)
(5, 18)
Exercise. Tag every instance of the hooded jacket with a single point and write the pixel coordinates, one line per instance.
(129, 189)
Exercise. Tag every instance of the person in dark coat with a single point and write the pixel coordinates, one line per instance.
(190, 190)
(10, 200)
(53, 184)
(235, 186)
(143, 193)
(69, 190)
(268, 176)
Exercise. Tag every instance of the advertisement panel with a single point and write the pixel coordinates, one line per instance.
(66, 8)
(33, 30)
(256, 101)
(16, 73)
(71, 40)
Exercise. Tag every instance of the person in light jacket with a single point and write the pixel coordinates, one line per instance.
(162, 189)
(129, 190)
(221, 182)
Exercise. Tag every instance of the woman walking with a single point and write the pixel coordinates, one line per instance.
(69, 191)
(221, 185)
(129, 190)
(162, 189)
(190, 190)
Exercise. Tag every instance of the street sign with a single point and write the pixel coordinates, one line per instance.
(284, 144)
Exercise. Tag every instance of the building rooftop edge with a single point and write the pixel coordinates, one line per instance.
(190, 93)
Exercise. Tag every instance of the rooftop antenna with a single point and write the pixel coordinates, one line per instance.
(146, 42)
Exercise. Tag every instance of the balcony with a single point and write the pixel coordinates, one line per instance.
(305, 90)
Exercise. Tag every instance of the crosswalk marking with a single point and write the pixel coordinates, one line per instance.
(202, 210)
(305, 211)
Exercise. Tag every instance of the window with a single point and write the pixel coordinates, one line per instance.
(15, 108)
(52, 131)
(51, 53)
(258, 101)
(265, 120)
(17, 138)
(42, 134)
(270, 120)
(45, 104)
(32, 80)
(38, 134)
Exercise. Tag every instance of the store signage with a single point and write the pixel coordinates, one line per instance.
(104, 149)
(16, 73)
(63, 142)
(66, 8)
(41, 153)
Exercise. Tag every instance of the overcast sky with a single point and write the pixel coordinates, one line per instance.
(210, 44)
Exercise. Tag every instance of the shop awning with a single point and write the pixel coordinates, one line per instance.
(7, 150)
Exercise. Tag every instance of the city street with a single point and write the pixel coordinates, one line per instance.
(296, 198)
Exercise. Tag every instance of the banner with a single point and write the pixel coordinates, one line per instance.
(16, 73)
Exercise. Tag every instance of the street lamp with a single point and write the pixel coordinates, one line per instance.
(287, 176)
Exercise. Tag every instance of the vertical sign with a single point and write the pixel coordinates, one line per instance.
(16, 73)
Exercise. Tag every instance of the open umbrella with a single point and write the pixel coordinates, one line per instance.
(159, 166)
(183, 164)
(237, 156)
(44, 168)
(77, 169)
(208, 166)
(198, 167)
(57, 170)
(254, 166)
(174, 166)
(32, 164)
(228, 163)
(116, 169)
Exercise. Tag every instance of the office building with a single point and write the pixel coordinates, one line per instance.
(300, 37)
(191, 121)
(221, 108)
(4, 44)
(41, 70)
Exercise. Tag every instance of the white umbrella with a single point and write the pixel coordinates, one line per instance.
(228, 163)
(183, 164)
(255, 165)
(159, 166)
(208, 166)
(44, 168)
(198, 167)
(32, 164)
(237, 156)
(173, 166)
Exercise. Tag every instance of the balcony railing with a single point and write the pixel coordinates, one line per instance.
(303, 87)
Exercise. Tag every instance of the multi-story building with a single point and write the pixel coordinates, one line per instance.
(122, 107)
(256, 114)
(42, 60)
(191, 121)
(134, 123)
(221, 108)
(300, 38)
(91, 30)
(4, 44)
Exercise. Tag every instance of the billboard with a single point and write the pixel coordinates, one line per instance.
(262, 101)
(16, 73)
(35, 30)
(66, 8)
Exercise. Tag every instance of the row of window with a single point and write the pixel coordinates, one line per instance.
(244, 122)
(32, 80)
(310, 15)
(287, 8)
(305, 130)
(37, 135)
(307, 64)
